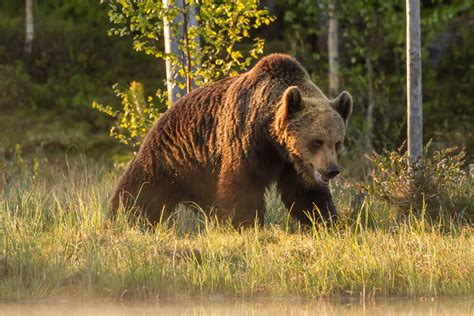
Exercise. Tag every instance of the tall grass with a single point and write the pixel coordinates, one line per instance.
(56, 240)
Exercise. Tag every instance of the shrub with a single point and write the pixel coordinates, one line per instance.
(439, 188)
(135, 117)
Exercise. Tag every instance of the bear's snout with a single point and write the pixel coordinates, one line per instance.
(332, 171)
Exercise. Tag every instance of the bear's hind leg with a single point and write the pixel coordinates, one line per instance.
(147, 201)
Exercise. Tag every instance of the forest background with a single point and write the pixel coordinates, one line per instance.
(46, 97)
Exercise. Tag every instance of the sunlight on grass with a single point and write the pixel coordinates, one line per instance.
(56, 240)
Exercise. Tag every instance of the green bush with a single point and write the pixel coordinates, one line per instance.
(439, 188)
(136, 115)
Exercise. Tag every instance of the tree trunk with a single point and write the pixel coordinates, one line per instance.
(414, 100)
(29, 27)
(369, 114)
(187, 58)
(333, 51)
(177, 41)
(171, 37)
(190, 21)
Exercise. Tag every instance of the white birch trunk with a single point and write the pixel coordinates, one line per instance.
(190, 22)
(171, 37)
(29, 27)
(176, 32)
(414, 98)
(333, 51)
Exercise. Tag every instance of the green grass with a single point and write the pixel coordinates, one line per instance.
(56, 241)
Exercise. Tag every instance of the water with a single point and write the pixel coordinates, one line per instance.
(271, 307)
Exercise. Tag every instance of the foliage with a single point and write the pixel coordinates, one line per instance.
(72, 11)
(448, 78)
(306, 28)
(213, 44)
(15, 84)
(375, 31)
(136, 116)
(45, 98)
(213, 49)
(441, 183)
(369, 31)
(74, 62)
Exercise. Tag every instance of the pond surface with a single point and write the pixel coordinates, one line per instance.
(271, 307)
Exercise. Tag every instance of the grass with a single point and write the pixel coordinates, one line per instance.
(56, 241)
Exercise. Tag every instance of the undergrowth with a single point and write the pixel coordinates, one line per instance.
(56, 240)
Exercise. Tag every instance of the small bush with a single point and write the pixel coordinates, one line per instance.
(136, 115)
(439, 188)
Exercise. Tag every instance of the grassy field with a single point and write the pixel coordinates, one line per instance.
(56, 241)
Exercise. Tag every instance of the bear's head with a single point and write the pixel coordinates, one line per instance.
(312, 131)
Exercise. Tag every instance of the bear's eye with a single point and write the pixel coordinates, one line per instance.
(338, 146)
(316, 144)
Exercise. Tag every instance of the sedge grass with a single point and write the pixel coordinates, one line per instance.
(56, 240)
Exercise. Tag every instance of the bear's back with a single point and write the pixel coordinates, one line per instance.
(185, 135)
(196, 130)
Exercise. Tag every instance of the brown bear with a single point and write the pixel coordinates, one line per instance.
(222, 144)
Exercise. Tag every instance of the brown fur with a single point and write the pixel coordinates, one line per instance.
(224, 143)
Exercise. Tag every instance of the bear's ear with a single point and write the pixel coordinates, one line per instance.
(292, 103)
(343, 105)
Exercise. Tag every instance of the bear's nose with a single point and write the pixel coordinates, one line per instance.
(332, 171)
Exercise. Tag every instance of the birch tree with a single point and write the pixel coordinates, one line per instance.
(29, 27)
(333, 50)
(174, 81)
(203, 43)
(414, 100)
(176, 30)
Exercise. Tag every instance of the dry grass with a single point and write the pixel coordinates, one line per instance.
(56, 240)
